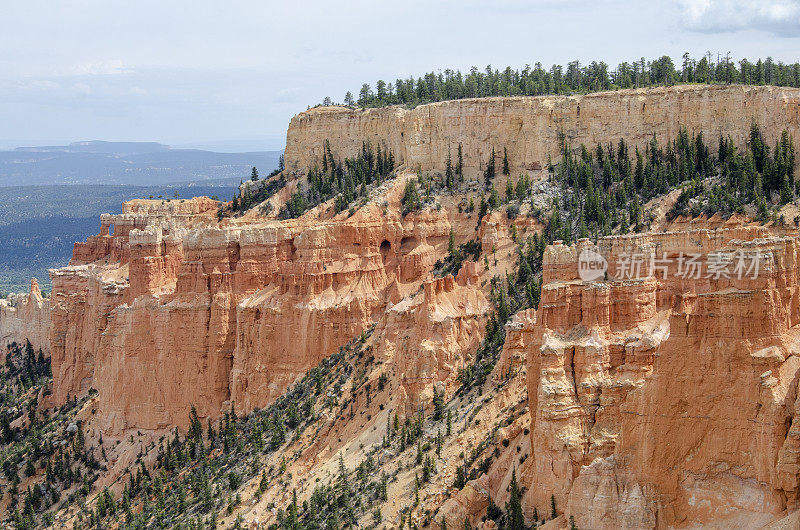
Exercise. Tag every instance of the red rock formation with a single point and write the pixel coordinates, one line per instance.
(656, 400)
(426, 339)
(25, 317)
(174, 310)
(661, 401)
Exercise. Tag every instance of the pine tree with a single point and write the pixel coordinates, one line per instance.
(461, 479)
(449, 178)
(293, 519)
(489, 172)
(506, 170)
(449, 421)
(254, 174)
(494, 197)
(493, 510)
(460, 163)
(516, 520)
(509, 190)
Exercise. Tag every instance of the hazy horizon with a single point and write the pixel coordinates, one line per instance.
(244, 145)
(202, 73)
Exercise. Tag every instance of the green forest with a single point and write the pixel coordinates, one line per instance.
(576, 78)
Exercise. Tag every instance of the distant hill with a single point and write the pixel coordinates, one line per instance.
(99, 146)
(53, 195)
(126, 163)
(40, 224)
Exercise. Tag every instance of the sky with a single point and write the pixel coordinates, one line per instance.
(230, 75)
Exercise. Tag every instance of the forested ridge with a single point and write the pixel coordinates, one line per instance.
(575, 78)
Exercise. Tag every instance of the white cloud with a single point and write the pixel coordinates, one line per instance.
(781, 17)
(37, 84)
(104, 67)
(82, 88)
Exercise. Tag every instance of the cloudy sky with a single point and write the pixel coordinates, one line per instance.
(231, 74)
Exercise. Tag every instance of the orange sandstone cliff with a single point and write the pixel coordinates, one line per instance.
(529, 127)
(25, 317)
(172, 309)
(665, 401)
(649, 402)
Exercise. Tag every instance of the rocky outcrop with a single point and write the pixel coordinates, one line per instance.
(529, 127)
(662, 392)
(25, 317)
(173, 309)
(425, 340)
(665, 399)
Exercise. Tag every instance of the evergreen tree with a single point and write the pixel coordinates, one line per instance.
(516, 520)
(449, 421)
(449, 176)
(461, 479)
(493, 511)
(451, 249)
(411, 200)
(438, 397)
(460, 163)
(489, 172)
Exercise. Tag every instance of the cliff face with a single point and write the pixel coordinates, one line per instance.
(663, 400)
(529, 127)
(25, 317)
(172, 309)
(655, 399)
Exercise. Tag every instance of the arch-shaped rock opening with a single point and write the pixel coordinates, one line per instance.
(111, 229)
(234, 253)
(407, 244)
(386, 249)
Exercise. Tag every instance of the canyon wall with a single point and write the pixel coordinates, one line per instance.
(529, 127)
(171, 309)
(25, 317)
(669, 397)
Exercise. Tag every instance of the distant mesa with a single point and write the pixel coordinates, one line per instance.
(99, 146)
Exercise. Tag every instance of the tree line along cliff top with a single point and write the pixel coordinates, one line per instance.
(576, 78)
